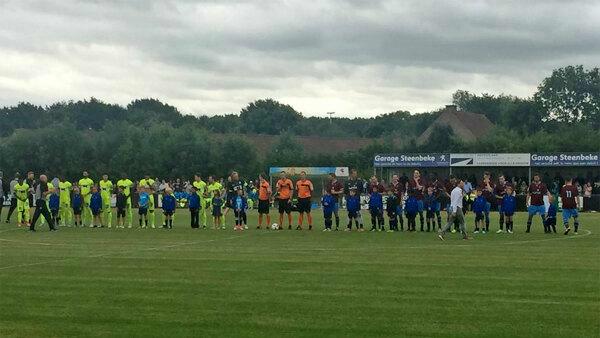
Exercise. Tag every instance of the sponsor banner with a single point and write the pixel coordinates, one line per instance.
(411, 160)
(565, 159)
(339, 171)
(489, 160)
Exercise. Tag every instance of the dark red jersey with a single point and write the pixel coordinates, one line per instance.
(568, 194)
(537, 191)
(417, 187)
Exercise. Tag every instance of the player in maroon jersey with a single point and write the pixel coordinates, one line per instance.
(568, 196)
(535, 201)
(499, 192)
(399, 189)
(438, 192)
(417, 185)
(487, 191)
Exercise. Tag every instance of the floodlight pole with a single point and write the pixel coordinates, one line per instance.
(330, 113)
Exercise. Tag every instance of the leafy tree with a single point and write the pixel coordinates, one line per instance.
(286, 152)
(571, 94)
(442, 139)
(268, 117)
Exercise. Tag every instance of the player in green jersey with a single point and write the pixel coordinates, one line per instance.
(85, 188)
(106, 190)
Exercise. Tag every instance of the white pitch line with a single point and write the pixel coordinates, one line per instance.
(123, 252)
(232, 237)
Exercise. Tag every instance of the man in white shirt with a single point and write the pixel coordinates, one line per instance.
(456, 211)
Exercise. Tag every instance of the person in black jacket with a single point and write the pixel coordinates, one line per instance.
(41, 207)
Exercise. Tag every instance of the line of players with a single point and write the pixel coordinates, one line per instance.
(91, 203)
(416, 197)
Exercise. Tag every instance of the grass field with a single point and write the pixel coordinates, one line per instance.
(183, 282)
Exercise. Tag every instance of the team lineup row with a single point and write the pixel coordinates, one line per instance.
(90, 204)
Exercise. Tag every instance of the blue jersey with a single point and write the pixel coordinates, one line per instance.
(54, 202)
(411, 206)
(376, 201)
(509, 204)
(76, 201)
(430, 201)
(479, 204)
(96, 201)
(144, 200)
(551, 211)
(217, 202)
(328, 202)
(240, 203)
(353, 203)
(194, 201)
(169, 203)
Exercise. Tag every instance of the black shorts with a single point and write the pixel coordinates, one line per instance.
(304, 204)
(120, 212)
(142, 211)
(77, 211)
(352, 214)
(478, 216)
(168, 213)
(96, 212)
(263, 206)
(30, 198)
(284, 206)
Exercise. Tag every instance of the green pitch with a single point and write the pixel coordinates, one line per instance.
(183, 282)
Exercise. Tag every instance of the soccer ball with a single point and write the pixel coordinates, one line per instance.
(275, 226)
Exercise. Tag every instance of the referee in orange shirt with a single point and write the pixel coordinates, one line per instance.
(305, 188)
(264, 197)
(285, 190)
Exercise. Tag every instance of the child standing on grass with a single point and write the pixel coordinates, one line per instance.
(391, 207)
(76, 204)
(376, 209)
(240, 204)
(328, 202)
(54, 205)
(550, 224)
(217, 210)
(121, 206)
(96, 207)
(143, 207)
(430, 202)
(509, 205)
(353, 207)
(194, 206)
(151, 215)
(479, 205)
(411, 208)
(169, 204)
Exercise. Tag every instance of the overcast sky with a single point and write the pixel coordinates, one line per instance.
(356, 58)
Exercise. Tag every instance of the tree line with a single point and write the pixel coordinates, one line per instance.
(148, 136)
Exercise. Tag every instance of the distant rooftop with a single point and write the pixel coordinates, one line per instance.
(466, 125)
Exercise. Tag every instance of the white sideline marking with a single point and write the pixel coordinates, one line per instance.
(123, 252)
(588, 232)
